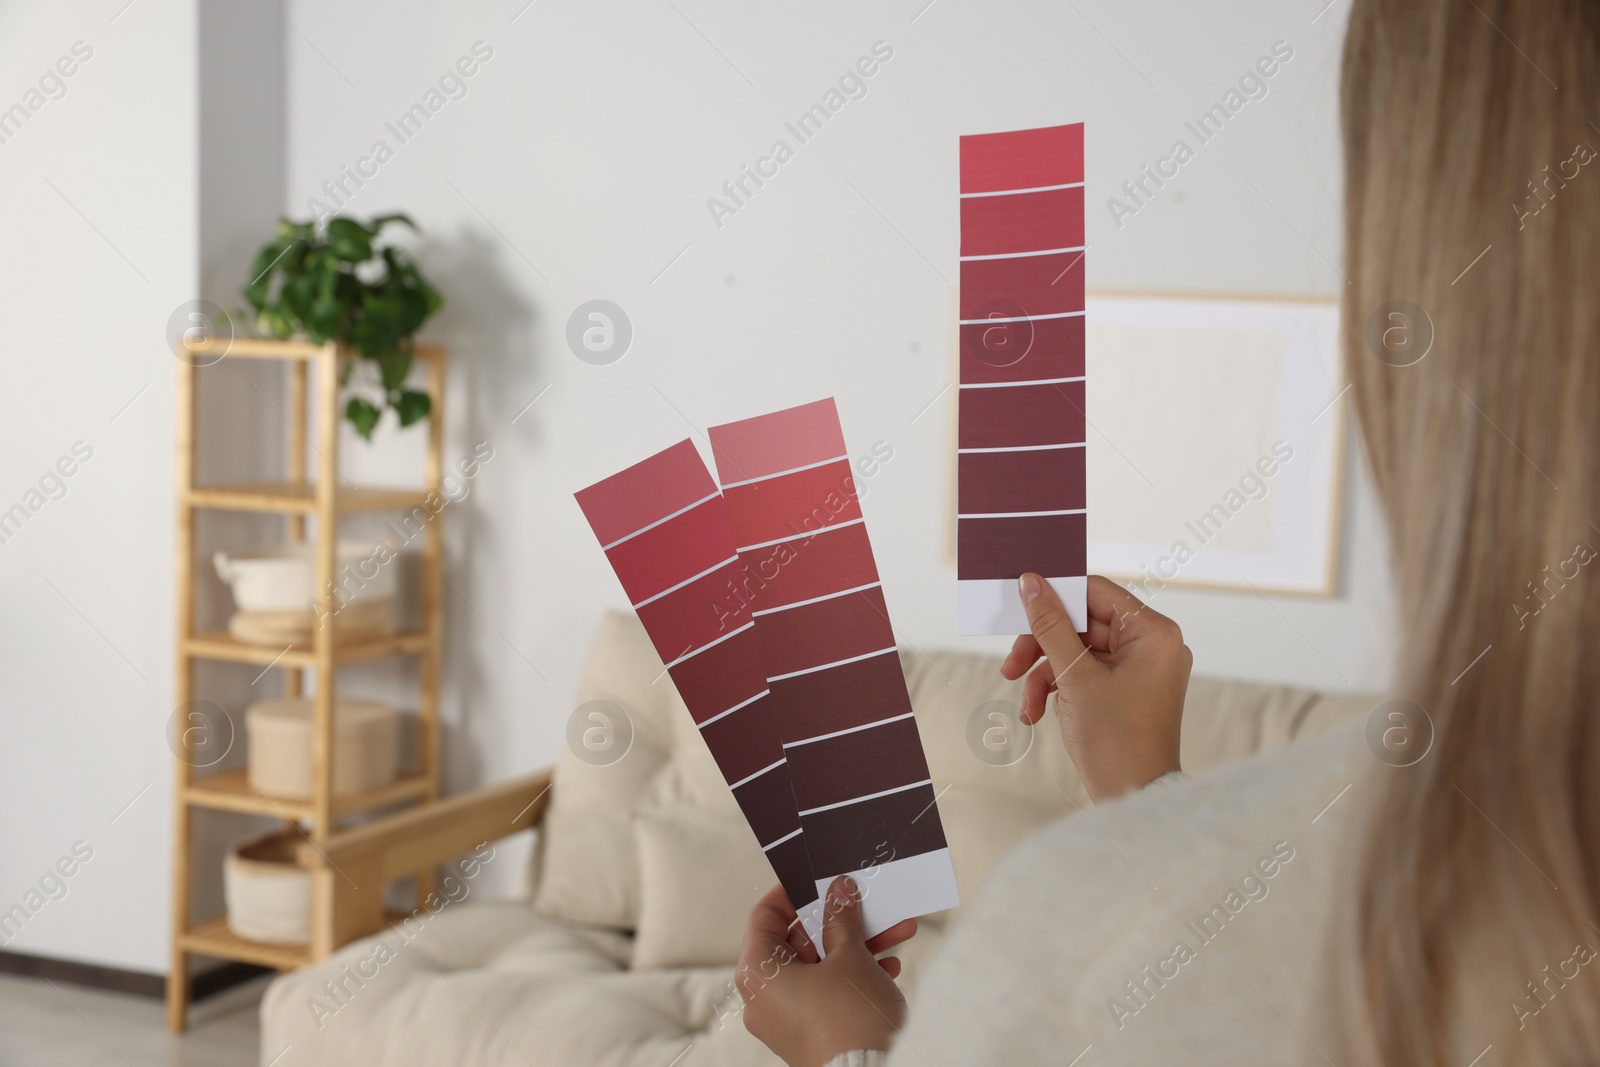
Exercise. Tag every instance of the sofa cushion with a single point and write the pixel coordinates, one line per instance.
(700, 874)
(585, 865)
(951, 689)
(499, 985)
(983, 826)
(1225, 720)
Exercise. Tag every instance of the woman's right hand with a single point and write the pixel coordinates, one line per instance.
(1119, 699)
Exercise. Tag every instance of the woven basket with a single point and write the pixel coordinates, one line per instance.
(268, 894)
(365, 745)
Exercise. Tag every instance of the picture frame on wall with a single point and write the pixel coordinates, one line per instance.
(1216, 442)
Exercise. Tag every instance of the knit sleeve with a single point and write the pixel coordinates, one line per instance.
(859, 1058)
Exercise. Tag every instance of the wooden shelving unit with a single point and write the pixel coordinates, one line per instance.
(339, 913)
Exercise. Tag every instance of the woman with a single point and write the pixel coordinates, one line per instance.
(1322, 905)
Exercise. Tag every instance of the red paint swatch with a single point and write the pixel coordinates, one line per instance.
(1034, 285)
(1021, 422)
(802, 503)
(991, 349)
(1021, 416)
(990, 483)
(1045, 544)
(837, 688)
(1024, 222)
(1021, 159)
(665, 530)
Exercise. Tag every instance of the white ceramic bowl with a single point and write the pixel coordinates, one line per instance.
(284, 577)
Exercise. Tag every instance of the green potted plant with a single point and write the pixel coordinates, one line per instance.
(335, 283)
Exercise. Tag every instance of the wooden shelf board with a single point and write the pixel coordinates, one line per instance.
(231, 791)
(271, 348)
(221, 645)
(213, 938)
(300, 498)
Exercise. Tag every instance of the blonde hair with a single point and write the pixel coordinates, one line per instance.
(1474, 879)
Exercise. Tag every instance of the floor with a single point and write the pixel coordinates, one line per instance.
(44, 1023)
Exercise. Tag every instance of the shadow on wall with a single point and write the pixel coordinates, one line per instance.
(487, 320)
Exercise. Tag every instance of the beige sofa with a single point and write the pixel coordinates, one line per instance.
(644, 869)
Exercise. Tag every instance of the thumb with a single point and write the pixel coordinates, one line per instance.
(841, 920)
(1047, 618)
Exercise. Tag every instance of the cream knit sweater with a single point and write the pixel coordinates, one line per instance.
(1179, 925)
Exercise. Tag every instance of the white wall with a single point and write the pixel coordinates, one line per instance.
(100, 233)
(579, 164)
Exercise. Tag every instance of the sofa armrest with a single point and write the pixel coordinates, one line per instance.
(350, 870)
(430, 834)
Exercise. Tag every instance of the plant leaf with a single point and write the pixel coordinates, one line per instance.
(261, 270)
(379, 328)
(272, 320)
(412, 406)
(296, 299)
(348, 240)
(294, 231)
(395, 366)
(325, 318)
(362, 415)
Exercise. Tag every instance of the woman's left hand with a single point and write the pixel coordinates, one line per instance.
(809, 1011)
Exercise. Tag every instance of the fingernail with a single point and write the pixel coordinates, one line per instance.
(843, 891)
(1029, 586)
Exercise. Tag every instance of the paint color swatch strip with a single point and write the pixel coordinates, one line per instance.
(838, 692)
(666, 532)
(1020, 464)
